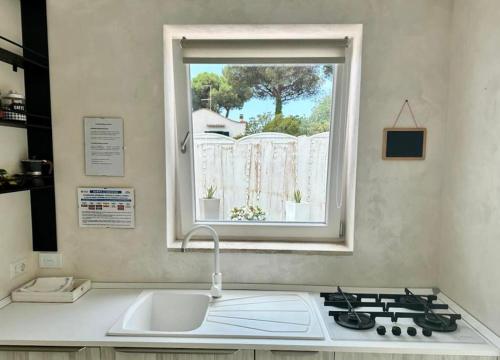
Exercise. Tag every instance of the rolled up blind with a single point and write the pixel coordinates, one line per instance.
(246, 51)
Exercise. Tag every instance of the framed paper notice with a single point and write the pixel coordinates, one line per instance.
(103, 146)
(106, 207)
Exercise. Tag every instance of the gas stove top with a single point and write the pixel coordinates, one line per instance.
(403, 316)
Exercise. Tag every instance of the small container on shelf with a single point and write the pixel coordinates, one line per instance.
(8, 181)
(13, 107)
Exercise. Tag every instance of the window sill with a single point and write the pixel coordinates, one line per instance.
(273, 247)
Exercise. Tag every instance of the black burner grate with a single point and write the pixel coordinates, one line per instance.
(337, 299)
(437, 322)
(356, 321)
(425, 318)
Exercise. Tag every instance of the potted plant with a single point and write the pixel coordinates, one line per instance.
(297, 210)
(248, 213)
(209, 205)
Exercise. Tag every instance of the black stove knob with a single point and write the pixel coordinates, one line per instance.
(381, 330)
(411, 331)
(396, 330)
(427, 332)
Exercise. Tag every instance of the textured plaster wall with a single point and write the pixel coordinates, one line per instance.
(15, 216)
(470, 241)
(107, 59)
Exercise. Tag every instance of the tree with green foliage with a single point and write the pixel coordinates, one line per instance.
(319, 120)
(281, 83)
(256, 125)
(218, 93)
(203, 86)
(328, 71)
(231, 96)
(284, 124)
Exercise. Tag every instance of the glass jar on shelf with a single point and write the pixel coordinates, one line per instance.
(13, 106)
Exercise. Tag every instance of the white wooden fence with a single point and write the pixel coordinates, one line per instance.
(263, 169)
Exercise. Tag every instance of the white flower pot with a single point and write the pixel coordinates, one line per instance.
(298, 212)
(209, 209)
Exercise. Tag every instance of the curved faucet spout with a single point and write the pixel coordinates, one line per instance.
(216, 289)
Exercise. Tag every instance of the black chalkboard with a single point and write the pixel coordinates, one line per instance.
(404, 143)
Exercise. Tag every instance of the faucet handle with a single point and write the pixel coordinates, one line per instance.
(216, 289)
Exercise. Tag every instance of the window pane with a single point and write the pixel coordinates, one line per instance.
(261, 142)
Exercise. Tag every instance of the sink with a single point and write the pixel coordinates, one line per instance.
(167, 312)
(237, 314)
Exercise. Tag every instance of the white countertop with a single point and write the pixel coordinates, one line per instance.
(86, 322)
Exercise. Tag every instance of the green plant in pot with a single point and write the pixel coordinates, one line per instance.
(210, 192)
(297, 196)
(297, 210)
(209, 204)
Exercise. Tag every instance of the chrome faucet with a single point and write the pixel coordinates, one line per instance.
(216, 289)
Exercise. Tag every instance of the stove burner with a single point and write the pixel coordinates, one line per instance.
(423, 307)
(350, 321)
(436, 322)
(339, 299)
(412, 302)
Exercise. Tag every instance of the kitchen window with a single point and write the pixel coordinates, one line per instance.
(262, 131)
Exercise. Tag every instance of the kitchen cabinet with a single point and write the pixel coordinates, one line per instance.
(174, 354)
(293, 355)
(48, 353)
(370, 356)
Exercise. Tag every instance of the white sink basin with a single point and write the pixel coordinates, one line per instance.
(167, 312)
(238, 314)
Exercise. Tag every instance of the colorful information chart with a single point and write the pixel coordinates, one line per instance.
(106, 207)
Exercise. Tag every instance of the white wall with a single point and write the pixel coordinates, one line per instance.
(15, 216)
(107, 59)
(470, 251)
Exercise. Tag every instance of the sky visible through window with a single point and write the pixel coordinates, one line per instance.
(254, 107)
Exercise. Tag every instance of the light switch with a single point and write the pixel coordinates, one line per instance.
(50, 260)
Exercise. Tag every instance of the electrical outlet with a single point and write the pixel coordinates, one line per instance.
(18, 268)
(50, 260)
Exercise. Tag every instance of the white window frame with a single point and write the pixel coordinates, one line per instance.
(179, 166)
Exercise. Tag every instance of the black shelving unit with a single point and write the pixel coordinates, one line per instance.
(18, 61)
(22, 124)
(13, 123)
(38, 124)
(12, 189)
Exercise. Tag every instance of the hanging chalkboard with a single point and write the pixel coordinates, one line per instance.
(404, 143)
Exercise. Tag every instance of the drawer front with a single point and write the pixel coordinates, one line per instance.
(370, 356)
(293, 355)
(48, 353)
(175, 354)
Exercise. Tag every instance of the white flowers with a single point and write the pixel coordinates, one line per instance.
(248, 213)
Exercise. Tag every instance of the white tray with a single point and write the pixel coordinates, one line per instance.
(80, 287)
